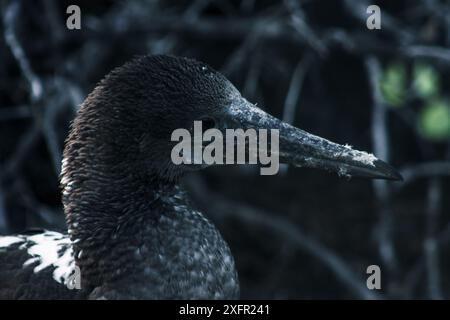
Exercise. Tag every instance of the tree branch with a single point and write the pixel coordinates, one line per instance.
(380, 143)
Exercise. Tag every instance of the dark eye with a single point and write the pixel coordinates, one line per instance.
(208, 123)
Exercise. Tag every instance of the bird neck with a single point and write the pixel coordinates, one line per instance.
(137, 233)
(109, 214)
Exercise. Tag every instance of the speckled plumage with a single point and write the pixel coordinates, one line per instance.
(133, 233)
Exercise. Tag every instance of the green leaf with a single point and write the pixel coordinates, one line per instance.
(434, 121)
(393, 84)
(426, 80)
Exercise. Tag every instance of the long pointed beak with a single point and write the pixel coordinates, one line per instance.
(302, 149)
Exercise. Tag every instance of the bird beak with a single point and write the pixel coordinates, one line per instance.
(302, 149)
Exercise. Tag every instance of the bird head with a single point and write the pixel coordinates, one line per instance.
(134, 111)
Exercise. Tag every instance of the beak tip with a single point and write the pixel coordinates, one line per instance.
(387, 172)
(398, 177)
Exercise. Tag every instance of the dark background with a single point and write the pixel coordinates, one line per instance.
(302, 233)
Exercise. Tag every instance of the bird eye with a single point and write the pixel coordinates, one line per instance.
(208, 123)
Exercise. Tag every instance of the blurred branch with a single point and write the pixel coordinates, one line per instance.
(47, 215)
(17, 112)
(23, 148)
(435, 9)
(293, 94)
(281, 264)
(51, 136)
(192, 13)
(206, 28)
(247, 5)
(269, 28)
(357, 8)
(380, 143)
(42, 121)
(9, 17)
(251, 82)
(239, 56)
(53, 18)
(429, 262)
(299, 23)
(424, 170)
(431, 249)
(295, 88)
(431, 52)
(63, 92)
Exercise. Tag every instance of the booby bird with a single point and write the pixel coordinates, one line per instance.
(132, 233)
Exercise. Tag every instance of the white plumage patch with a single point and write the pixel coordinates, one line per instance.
(65, 181)
(47, 249)
(7, 241)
